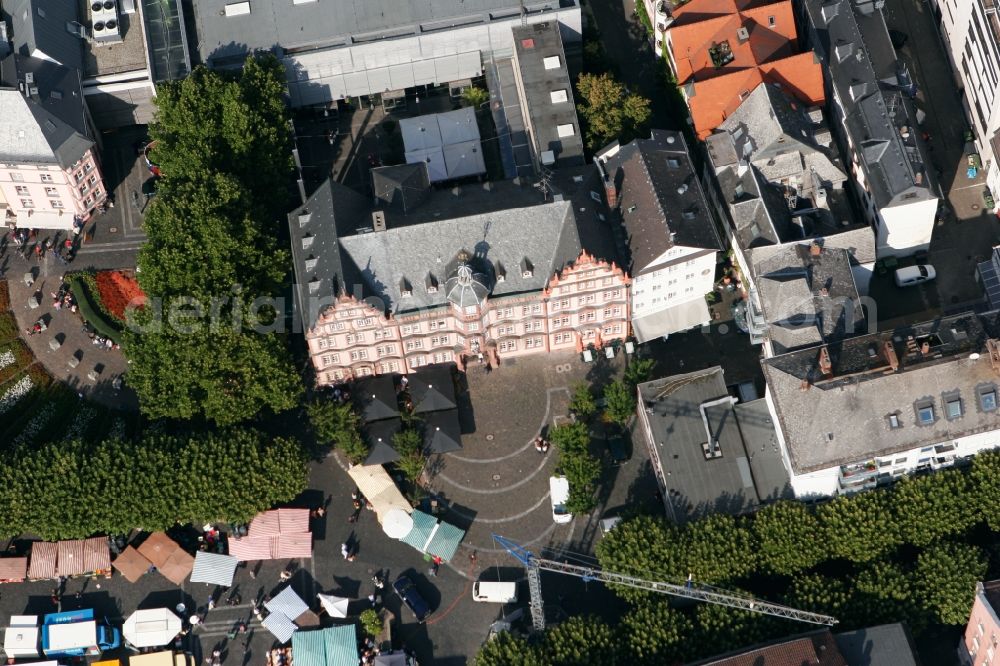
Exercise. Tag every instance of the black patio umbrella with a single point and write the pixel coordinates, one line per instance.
(442, 432)
(432, 389)
(379, 435)
(376, 396)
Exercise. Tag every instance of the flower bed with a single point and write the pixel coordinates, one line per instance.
(14, 393)
(38, 422)
(4, 297)
(21, 355)
(116, 292)
(91, 310)
(82, 420)
(8, 327)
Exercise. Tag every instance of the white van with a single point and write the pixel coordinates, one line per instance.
(494, 593)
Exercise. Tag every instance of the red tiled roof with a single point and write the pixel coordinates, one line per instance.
(716, 99)
(819, 649)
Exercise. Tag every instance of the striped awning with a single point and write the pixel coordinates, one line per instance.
(44, 556)
(213, 568)
(423, 527)
(13, 569)
(278, 547)
(250, 548)
(282, 628)
(265, 524)
(293, 520)
(96, 555)
(70, 558)
(288, 603)
(333, 646)
(444, 541)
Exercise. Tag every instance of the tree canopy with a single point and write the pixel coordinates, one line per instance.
(608, 110)
(68, 489)
(208, 344)
(619, 399)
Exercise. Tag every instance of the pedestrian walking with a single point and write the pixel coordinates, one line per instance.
(344, 550)
(211, 601)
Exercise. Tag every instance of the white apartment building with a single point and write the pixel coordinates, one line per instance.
(876, 123)
(669, 231)
(971, 33)
(863, 412)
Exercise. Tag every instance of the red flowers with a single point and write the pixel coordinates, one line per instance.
(117, 291)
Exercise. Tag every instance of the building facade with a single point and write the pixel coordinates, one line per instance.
(981, 640)
(971, 33)
(651, 187)
(870, 409)
(50, 174)
(870, 92)
(583, 304)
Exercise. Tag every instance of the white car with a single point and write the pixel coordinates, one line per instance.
(559, 495)
(912, 275)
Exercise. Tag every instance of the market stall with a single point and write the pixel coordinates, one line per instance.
(167, 556)
(151, 627)
(334, 646)
(79, 557)
(213, 568)
(13, 569)
(379, 489)
(131, 564)
(165, 658)
(433, 537)
(275, 535)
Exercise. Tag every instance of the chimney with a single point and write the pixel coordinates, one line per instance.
(825, 364)
(610, 190)
(815, 249)
(378, 220)
(890, 355)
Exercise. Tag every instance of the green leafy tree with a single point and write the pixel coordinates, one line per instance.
(69, 490)
(930, 507)
(984, 479)
(582, 471)
(639, 370)
(720, 629)
(371, 623)
(820, 594)
(582, 402)
(508, 650)
(206, 346)
(475, 97)
(883, 593)
(619, 402)
(581, 641)
(859, 528)
(570, 438)
(332, 421)
(647, 547)
(608, 111)
(711, 546)
(355, 448)
(945, 578)
(653, 633)
(787, 538)
(409, 444)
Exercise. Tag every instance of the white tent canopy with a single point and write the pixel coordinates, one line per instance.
(397, 523)
(151, 627)
(379, 489)
(334, 606)
(448, 143)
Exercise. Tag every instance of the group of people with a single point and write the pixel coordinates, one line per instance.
(63, 298)
(359, 502)
(541, 444)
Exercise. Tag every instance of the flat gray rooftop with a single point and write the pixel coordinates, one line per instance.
(128, 55)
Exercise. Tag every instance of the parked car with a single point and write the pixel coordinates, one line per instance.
(617, 445)
(559, 495)
(410, 595)
(911, 275)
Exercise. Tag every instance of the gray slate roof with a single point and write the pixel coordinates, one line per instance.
(748, 472)
(768, 123)
(791, 284)
(50, 128)
(757, 208)
(661, 205)
(532, 44)
(502, 227)
(843, 418)
(332, 22)
(402, 187)
(869, 81)
(884, 645)
(39, 27)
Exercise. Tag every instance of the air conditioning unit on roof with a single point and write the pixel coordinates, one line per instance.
(104, 21)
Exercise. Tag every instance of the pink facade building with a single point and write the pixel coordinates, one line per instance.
(981, 641)
(386, 291)
(50, 176)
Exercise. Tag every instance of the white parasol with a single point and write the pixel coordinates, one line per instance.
(151, 627)
(397, 523)
(334, 606)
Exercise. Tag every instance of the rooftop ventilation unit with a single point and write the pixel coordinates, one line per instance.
(104, 21)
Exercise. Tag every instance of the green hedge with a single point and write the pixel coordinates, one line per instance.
(91, 311)
(8, 327)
